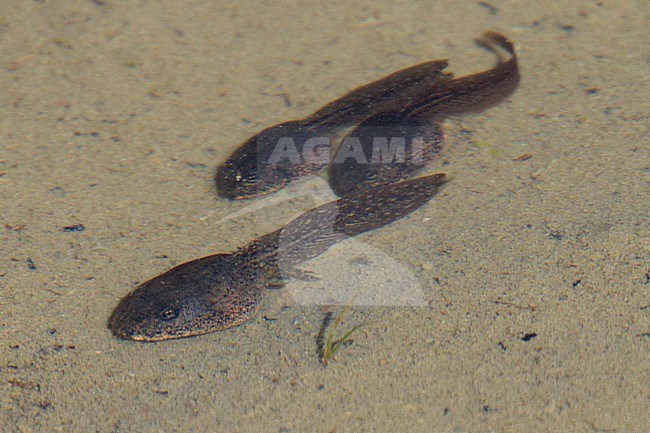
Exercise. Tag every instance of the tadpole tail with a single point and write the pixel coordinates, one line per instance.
(475, 92)
(316, 230)
(380, 206)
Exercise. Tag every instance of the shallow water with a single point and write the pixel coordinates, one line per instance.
(529, 277)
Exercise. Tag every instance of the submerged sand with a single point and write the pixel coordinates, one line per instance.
(530, 272)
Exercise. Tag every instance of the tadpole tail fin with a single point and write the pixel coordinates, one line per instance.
(389, 93)
(316, 230)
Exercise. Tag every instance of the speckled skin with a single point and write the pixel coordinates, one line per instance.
(225, 290)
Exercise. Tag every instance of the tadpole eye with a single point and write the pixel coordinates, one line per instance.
(248, 182)
(168, 313)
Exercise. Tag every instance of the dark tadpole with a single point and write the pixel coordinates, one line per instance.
(408, 104)
(224, 290)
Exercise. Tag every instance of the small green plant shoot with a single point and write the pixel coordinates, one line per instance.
(331, 346)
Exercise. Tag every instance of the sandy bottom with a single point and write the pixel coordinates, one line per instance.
(527, 279)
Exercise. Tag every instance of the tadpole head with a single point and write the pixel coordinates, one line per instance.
(266, 162)
(194, 298)
(239, 177)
